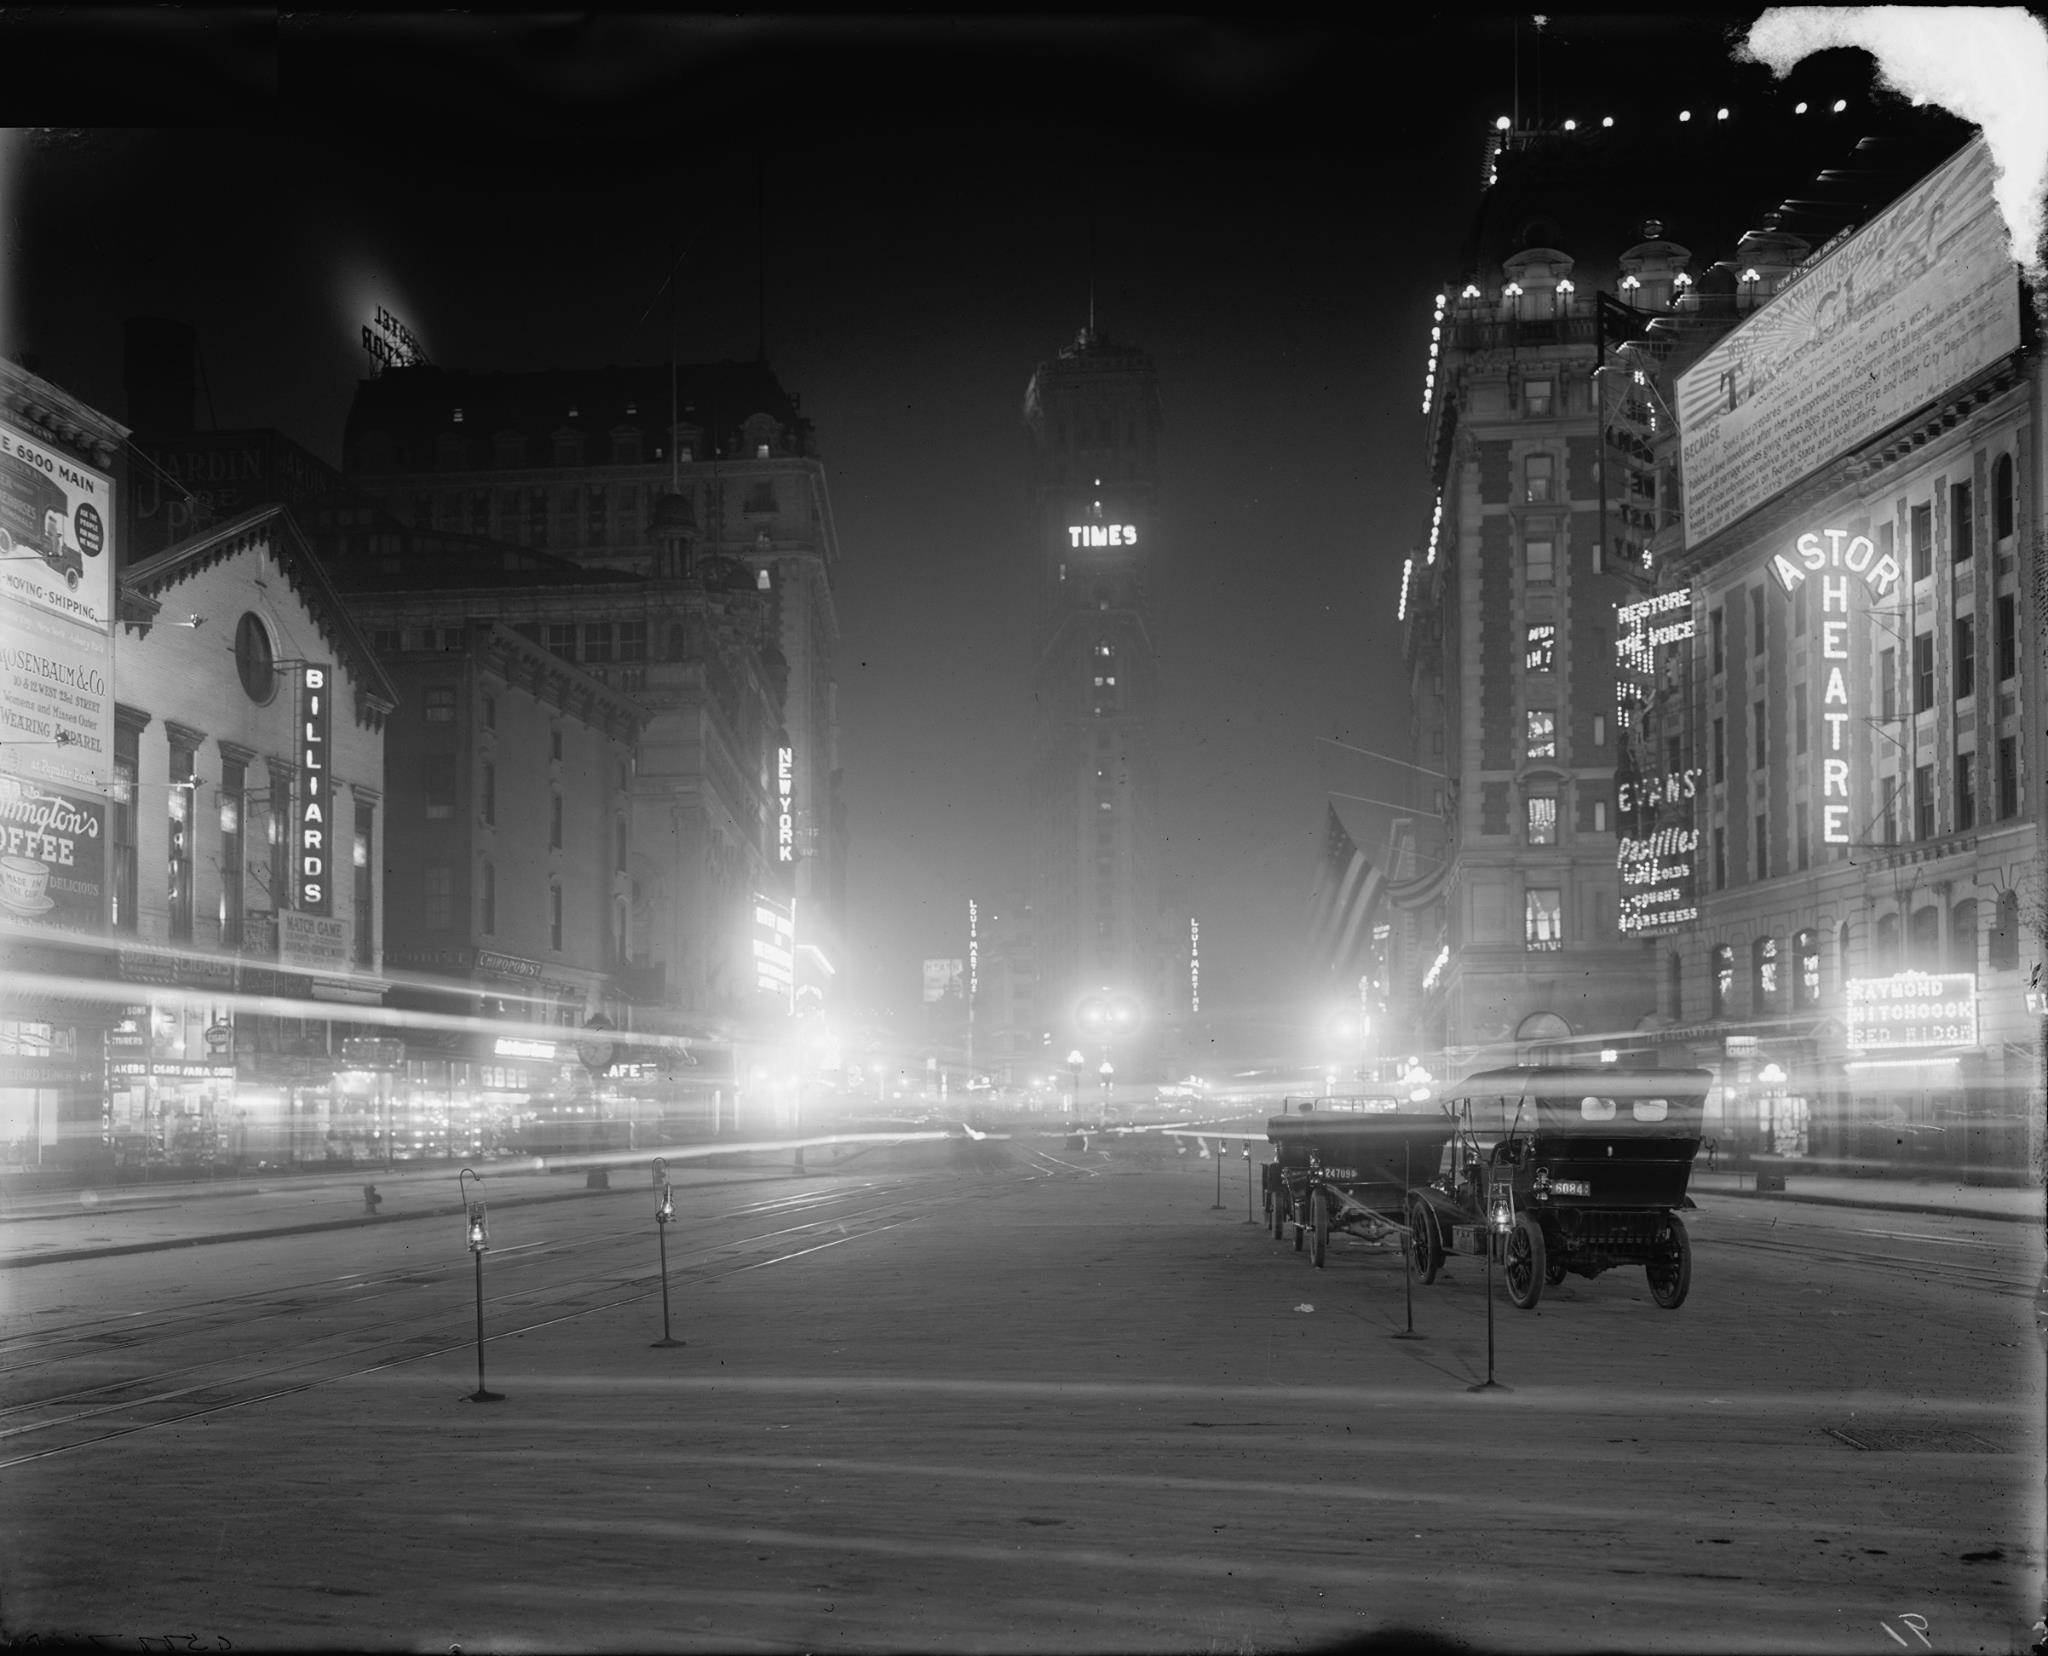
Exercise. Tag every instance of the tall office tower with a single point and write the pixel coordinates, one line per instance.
(1093, 419)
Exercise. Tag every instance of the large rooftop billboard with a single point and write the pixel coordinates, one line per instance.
(1917, 301)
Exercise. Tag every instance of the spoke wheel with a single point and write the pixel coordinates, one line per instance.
(1523, 1269)
(1320, 1208)
(1425, 1250)
(1279, 1214)
(1670, 1273)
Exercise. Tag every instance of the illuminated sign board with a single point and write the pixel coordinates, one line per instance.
(390, 342)
(774, 947)
(1831, 556)
(512, 1046)
(785, 804)
(1913, 1009)
(973, 950)
(313, 890)
(1194, 965)
(1102, 534)
(942, 979)
(1657, 850)
(1921, 298)
(1641, 629)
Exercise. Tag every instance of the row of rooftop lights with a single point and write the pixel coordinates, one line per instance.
(1513, 290)
(1505, 125)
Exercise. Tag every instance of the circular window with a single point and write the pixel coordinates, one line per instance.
(254, 660)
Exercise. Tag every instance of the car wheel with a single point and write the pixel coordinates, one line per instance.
(1523, 1270)
(1424, 1248)
(1670, 1272)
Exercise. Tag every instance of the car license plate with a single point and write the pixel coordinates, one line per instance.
(1570, 1187)
(1338, 1172)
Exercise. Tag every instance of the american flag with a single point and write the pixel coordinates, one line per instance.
(1347, 896)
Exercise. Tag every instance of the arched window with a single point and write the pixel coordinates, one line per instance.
(1962, 936)
(2001, 497)
(1885, 951)
(2005, 933)
(1805, 970)
(1722, 964)
(1764, 964)
(1923, 939)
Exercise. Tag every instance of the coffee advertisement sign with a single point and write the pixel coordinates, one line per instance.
(53, 857)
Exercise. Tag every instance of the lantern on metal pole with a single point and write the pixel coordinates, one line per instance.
(479, 1230)
(1217, 1205)
(664, 1212)
(1248, 1218)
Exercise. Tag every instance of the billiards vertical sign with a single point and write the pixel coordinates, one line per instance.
(313, 889)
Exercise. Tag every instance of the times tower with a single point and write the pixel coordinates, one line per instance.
(1092, 415)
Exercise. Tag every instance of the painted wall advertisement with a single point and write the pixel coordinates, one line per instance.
(56, 615)
(1917, 301)
(53, 857)
(319, 942)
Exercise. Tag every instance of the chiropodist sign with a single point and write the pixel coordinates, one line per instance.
(313, 827)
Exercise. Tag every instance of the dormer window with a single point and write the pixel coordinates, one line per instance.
(568, 448)
(626, 446)
(508, 450)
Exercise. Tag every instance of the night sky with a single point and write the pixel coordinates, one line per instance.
(1267, 212)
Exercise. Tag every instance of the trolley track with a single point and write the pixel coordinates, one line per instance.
(362, 1288)
(165, 1396)
(2019, 1279)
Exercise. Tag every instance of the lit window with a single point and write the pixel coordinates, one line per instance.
(1541, 653)
(1537, 478)
(1542, 742)
(1537, 398)
(1543, 919)
(1542, 810)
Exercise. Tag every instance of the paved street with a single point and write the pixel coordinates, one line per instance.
(1027, 1401)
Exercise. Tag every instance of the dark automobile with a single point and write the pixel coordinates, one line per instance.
(1345, 1164)
(1562, 1171)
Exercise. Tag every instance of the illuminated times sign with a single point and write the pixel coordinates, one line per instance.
(313, 888)
(1102, 534)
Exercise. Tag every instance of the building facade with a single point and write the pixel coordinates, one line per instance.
(685, 477)
(1093, 419)
(193, 915)
(1852, 703)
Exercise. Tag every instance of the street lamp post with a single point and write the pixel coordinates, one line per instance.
(1074, 1062)
(1108, 1074)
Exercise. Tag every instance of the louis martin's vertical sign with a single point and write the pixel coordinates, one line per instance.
(313, 890)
